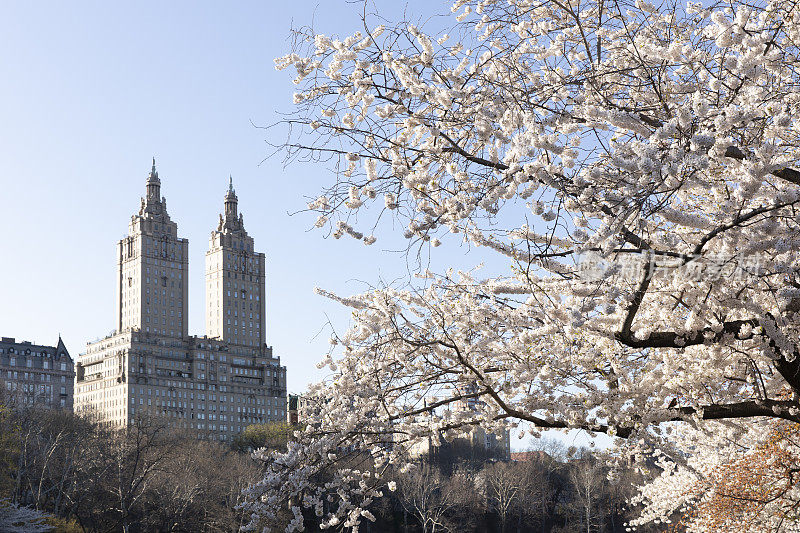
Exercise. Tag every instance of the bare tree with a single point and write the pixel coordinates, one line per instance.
(545, 472)
(587, 476)
(134, 455)
(429, 496)
(145, 477)
(506, 487)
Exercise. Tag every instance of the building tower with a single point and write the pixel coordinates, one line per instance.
(153, 269)
(151, 366)
(235, 281)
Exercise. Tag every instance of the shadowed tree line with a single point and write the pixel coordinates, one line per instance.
(553, 490)
(88, 477)
(456, 489)
(147, 477)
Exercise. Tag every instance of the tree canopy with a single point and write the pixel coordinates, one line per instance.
(636, 166)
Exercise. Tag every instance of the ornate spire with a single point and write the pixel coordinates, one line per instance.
(231, 201)
(153, 185)
(153, 176)
(231, 191)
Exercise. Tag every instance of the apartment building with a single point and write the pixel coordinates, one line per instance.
(217, 383)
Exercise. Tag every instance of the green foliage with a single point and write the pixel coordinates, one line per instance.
(273, 436)
(64, 525)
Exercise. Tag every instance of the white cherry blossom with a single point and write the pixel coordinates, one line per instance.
(659, 140)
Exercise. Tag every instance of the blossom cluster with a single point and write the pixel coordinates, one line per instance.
(660, 141)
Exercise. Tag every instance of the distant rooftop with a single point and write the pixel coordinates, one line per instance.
(38, 349)
(536, 455)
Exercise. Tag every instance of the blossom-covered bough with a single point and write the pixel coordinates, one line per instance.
(637, 166)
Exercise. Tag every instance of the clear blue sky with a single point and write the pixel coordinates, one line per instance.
(91, 91)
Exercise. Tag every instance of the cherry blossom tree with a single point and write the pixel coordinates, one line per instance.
(734, 480)
(635, 164)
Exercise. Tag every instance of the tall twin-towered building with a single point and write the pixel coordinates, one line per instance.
(218, 383)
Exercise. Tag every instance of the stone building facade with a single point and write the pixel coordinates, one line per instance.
(153, 269)
(216, 384)
(34, 374)
(235, 283)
